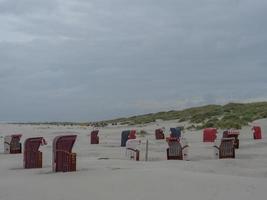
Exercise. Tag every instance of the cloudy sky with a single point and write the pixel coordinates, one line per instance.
(80, 60)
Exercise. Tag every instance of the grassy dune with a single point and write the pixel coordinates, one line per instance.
(232, 115)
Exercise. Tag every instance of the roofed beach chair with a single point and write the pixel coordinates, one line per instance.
(159, 135)
(225, 149)
(12, 144)
(124, 137)
(257, 132)
(94, 137)
(32, 157)
(177, 150)
(209, 134)
(63, 158)
(133, 149)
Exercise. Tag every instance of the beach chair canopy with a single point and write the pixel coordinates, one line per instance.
(175, 132)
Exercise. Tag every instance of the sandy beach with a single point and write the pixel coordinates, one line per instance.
(103, 171)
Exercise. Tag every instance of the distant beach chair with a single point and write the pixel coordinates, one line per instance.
(209, 134)
(225, 149)
(32, 156)
(124, 137)
(176, 150)
(95, 137)
(12, 144)
(159, 135)
(256, 132)
(133, 149)
(232, 133)
(132, 134)
(63, 158)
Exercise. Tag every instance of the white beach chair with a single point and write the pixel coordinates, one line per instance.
(133, 149)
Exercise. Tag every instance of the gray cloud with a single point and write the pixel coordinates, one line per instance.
(89, 60)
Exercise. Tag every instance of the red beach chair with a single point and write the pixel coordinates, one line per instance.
(209, 134)
(12, 144)
(32, 155)
(133, 149)
(175, 150)
(226, 148)
(94, 137)
(159, 135)
(256, 132)
(132, 134)
(63, 159)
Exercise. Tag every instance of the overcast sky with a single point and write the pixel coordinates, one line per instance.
(82, 60)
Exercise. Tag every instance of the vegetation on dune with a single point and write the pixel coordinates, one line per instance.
(232, 115)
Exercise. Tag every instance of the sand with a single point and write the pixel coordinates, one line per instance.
(103, 171)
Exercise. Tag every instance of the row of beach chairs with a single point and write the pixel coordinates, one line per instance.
(64, 159)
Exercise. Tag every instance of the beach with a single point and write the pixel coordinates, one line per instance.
(103, 171)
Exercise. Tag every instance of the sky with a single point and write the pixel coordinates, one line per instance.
(87, 60)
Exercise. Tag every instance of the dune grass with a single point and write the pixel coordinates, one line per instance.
(232, 115)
